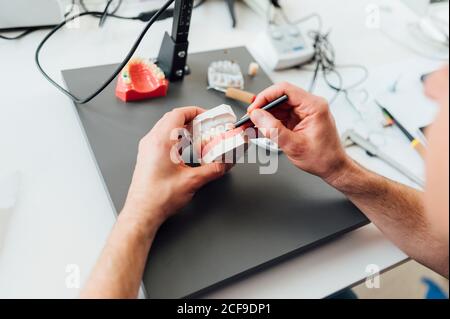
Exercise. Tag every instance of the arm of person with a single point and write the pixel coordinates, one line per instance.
(305, 130)
(161, 185)
(398, 211)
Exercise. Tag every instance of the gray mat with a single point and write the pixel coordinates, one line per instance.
(234, 226)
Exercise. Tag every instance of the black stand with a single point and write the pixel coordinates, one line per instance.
(172, 57)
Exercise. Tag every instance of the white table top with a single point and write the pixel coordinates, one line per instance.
(63, 214)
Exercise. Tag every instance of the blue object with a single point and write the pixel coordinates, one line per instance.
(434, 291)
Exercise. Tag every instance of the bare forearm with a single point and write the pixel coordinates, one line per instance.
(119, 270)
(398, 211)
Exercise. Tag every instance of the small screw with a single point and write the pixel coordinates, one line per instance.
(182, 54)
(179, 73)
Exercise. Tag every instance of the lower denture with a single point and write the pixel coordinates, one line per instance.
(218, 139)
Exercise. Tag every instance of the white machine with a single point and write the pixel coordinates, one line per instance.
(283, 45)
(18, 14)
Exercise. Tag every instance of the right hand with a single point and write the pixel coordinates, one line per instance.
(304, 129)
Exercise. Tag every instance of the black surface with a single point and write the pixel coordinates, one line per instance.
(233, 226)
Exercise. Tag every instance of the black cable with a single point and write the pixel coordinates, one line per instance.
(118, 69)
(85, 8)
(143, 16)
(119, 4)
(314, 79)
(21, 35)
(105, 13)
(325, 58)
(72, 6)
(336, 88)
(276, 4)
(83, 5)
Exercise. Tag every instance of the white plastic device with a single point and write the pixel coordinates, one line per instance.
(283, 46)
(16, 14)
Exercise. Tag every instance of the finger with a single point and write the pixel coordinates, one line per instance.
(205, 174)
(186, 115)
(272, 93)
(274, 129)
(171, 128)
(179, 117)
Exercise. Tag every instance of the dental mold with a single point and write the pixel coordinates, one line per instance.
(141, 79)
(215, 138)
(225, 74)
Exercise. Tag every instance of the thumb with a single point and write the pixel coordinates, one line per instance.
(272, 128)
(207, 173)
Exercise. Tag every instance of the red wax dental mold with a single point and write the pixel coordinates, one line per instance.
(139, 80)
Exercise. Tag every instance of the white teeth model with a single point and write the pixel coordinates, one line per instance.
(214, 138)
(225, 74)
(220, 129)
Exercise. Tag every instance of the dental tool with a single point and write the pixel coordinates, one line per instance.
(415, 143)
(236, 94)
(268, 107)
(350, 138)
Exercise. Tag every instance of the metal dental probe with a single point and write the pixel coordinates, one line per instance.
(268, 107)
(352, 138)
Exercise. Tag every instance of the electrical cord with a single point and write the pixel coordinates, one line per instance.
(278, 8)
(150, 17)
(117, 70)
(105, 13)
(143, 16)
(109, 2)
(72, 6)
(21, 35)
(324, 58)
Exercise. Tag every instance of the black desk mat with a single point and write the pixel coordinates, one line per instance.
(235, 226)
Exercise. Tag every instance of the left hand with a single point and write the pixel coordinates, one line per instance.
(162, 183)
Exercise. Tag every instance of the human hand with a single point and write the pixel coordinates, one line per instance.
(304, 129)
(162, 183)
(437, 161)
(436, 85)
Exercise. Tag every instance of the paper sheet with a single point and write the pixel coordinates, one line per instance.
(404, 95)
